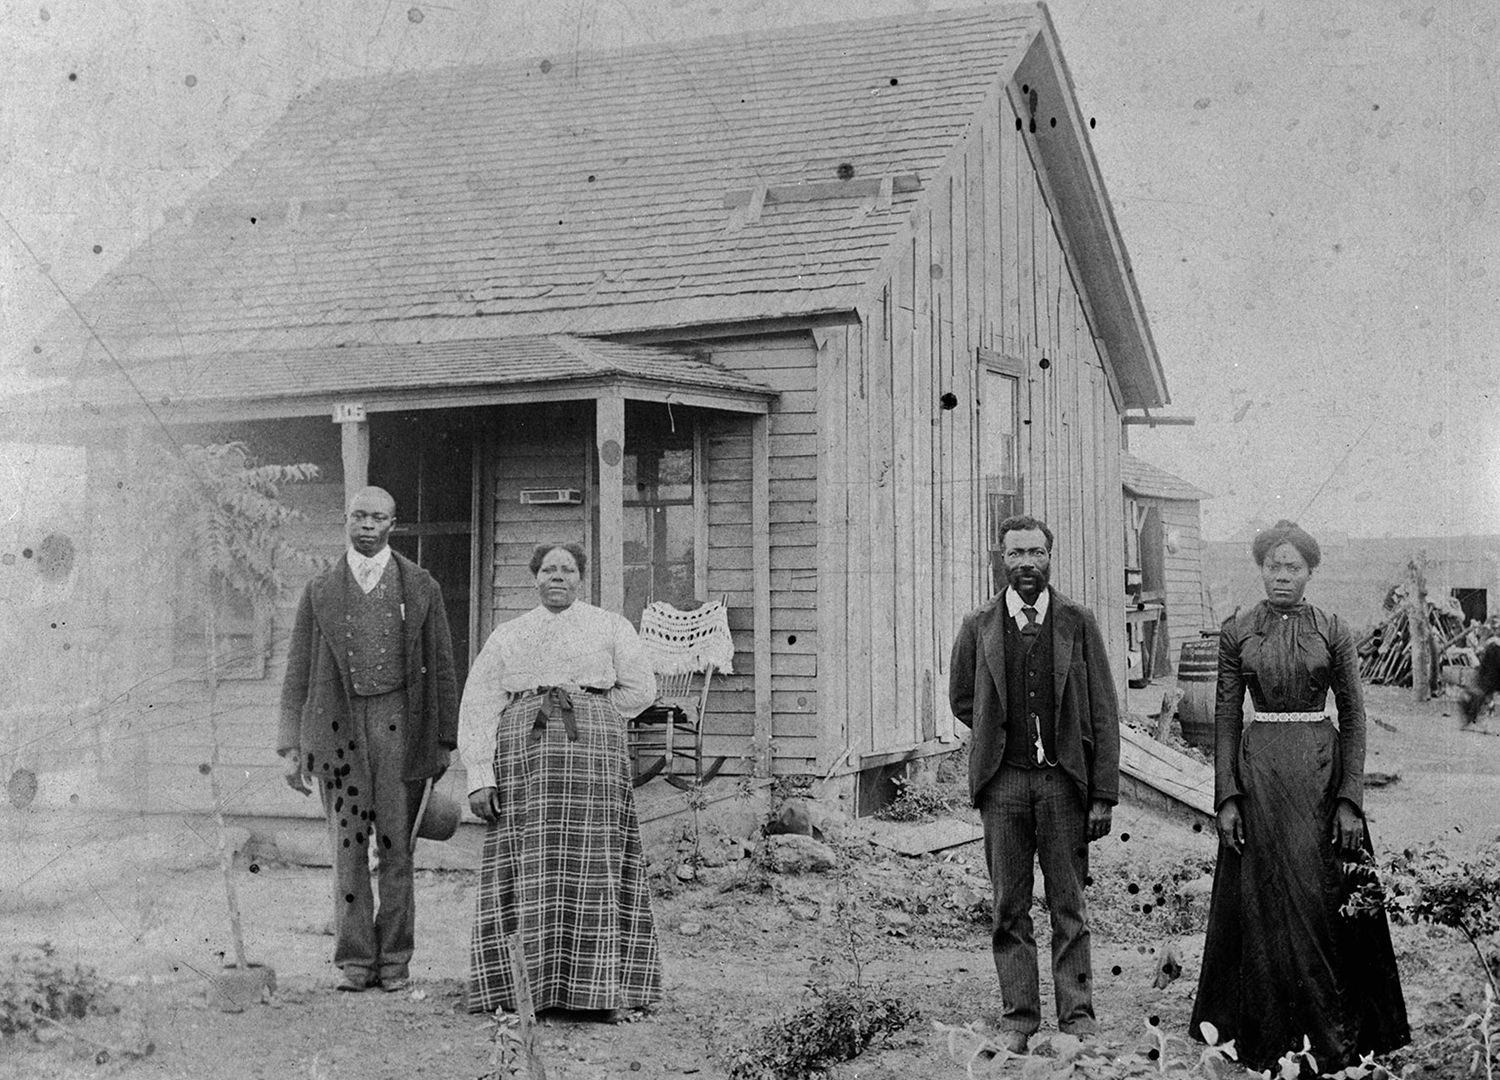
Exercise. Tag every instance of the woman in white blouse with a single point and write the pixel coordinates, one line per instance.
(541, 732)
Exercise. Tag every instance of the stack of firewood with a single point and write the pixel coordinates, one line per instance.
(1385, 652)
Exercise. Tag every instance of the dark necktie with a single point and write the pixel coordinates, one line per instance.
(1031, 626)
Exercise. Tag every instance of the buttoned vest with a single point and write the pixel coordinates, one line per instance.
(374, 638)
(1028, 692)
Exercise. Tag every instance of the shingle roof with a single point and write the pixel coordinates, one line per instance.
(587, 195)
(1143, 478)
(318, 373)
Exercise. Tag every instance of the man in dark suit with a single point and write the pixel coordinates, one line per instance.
(1031, 678)
(369, 710)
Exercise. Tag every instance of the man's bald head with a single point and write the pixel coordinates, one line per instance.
(371, 497)
(371, 515)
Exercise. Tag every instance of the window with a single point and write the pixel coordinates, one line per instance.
(999, 457)
(660, 482)
(243, 632)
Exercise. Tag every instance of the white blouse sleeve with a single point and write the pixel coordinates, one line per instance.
(479, 714)
(635, 682)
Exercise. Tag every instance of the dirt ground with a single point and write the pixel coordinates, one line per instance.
(738, 948)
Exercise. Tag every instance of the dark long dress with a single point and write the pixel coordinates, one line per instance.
(1280, 962)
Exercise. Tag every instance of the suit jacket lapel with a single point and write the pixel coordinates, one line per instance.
(330, 603)
(415, 601)
(1064, 633)
(992, 638)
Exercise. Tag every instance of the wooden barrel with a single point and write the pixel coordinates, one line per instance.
(1197, 678)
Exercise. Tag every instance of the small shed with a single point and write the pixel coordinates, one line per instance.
(1167, 599)
(794, 318)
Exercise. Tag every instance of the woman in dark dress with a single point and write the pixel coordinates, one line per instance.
(1280, 961)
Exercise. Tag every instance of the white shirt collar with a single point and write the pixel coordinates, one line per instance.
(381, 558)
(368, 569)
(1014, 604)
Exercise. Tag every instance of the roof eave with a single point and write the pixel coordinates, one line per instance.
(1085, 211)
(64, 416)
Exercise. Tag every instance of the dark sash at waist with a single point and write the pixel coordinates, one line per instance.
(558, 701)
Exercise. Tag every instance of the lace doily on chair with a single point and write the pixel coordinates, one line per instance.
(683, 641)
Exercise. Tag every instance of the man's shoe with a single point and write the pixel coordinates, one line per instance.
(353, 984)
(1014, 1041)
(395, 986)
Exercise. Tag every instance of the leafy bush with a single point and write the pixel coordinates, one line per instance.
(914, 801)
(837, 1026)
(1432, 887)
(34, 984)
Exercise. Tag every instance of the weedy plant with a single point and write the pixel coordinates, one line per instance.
(38, 990)
(1064, 1057)
(218, 532)
(914, 801)
(1432, 887)
(839, 1024)
(507, 1048)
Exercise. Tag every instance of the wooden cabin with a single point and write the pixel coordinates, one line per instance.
(792, 318)
(1166, 600)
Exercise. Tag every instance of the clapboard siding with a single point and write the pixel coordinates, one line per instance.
(137, 735)
(1186, 600)
(788, 364)
(538, 446)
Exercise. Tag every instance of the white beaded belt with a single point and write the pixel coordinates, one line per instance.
(1289, 717)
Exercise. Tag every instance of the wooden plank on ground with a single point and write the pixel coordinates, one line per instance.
(1175, 775)
(923, 838)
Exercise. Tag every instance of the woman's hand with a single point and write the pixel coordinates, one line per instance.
(1232, 826)
(485, 803)
(1348, 828)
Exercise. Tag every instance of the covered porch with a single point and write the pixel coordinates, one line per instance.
(656, 461)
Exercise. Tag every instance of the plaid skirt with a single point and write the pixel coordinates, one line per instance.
(563, 866)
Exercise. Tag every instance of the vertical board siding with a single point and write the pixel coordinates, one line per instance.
(832, 517)
(865, 343)
(880, 570)
(982, 266)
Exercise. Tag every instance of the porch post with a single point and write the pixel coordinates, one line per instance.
(350, 417)
(760, 558)
(609, 439)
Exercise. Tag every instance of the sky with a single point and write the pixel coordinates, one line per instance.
(1310, 195)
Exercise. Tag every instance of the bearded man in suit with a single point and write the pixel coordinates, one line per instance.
(369, 712)
(1031, 678)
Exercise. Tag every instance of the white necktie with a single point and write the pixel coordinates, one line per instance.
(368, 574)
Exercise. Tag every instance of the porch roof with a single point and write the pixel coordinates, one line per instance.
(1143, 478)
(303, 381)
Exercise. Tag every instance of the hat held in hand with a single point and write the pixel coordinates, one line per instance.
(436, 817)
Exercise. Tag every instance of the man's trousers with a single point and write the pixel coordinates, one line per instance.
(368, 803)
(1038, 815)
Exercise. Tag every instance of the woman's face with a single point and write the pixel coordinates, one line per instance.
(557, 580)
(1285, 573)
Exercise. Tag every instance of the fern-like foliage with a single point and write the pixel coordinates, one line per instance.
(215, 515)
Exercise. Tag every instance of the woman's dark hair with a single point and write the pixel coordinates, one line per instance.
(539, 553)
(1286, 532)
(1021, 522)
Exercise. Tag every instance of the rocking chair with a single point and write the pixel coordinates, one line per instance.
(686, 649)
